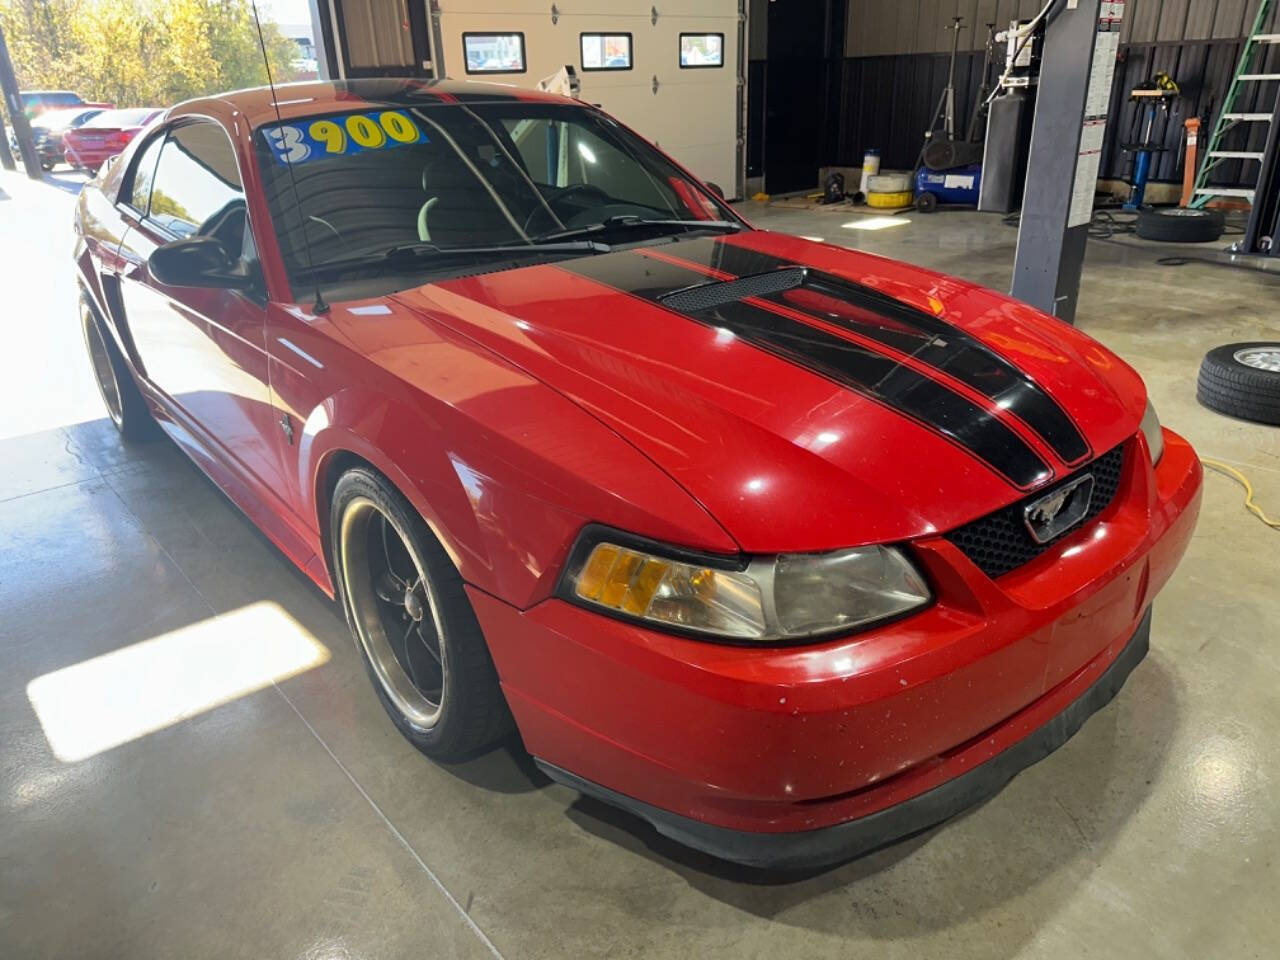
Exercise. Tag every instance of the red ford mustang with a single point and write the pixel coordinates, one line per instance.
(788, 549)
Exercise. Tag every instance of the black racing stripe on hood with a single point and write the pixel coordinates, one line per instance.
(829, 355)
(926, 338)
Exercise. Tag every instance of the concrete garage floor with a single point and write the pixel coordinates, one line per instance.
(193, 763)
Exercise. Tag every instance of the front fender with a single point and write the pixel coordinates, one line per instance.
(505, 487)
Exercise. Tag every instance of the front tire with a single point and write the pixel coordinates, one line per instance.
(120, 394)
(411, 620)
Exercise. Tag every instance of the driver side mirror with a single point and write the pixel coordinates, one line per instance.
(716, 189)
(197, 262)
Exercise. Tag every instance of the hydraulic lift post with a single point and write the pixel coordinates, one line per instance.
(1066, 142)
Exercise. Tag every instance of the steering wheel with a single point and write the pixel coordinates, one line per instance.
(575, 188)
(569, 191)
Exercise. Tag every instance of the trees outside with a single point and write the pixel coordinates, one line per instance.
(142, 52)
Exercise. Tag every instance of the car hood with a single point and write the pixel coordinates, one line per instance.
(809, 396)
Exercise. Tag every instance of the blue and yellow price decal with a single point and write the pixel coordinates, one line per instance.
(342, 135)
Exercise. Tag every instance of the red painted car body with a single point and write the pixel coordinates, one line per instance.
(516, 407)
(105, 136)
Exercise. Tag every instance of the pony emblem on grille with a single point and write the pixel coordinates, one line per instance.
(1057, 512)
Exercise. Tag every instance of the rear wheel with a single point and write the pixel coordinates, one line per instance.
(412, 622)
(927, 203)
(120, 393)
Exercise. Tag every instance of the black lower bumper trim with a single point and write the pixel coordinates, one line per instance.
(830, 845)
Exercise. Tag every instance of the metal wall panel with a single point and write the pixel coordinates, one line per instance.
(1171, 24)
(758, 30)
(890, 27)
(1200, 17)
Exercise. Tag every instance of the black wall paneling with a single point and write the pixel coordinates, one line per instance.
(888, 102)
(755, 117)
(883, 91)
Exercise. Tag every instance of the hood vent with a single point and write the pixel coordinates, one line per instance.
(708, 295)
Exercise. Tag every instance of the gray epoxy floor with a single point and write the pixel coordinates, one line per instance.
(192, 763)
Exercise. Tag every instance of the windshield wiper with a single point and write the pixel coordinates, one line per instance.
(407, 254)
(631, 221)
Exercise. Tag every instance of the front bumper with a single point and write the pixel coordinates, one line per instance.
(808, 849)
(711, 742)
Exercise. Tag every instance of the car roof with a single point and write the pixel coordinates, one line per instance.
(259, 104)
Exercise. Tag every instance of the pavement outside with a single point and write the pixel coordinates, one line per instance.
(169, 788)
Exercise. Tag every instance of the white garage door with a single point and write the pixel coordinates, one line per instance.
(692, 111)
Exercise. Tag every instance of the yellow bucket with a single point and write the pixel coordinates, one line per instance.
(889, 201)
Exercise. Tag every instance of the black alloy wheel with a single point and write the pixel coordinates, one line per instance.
(120, 394)
(415, 629)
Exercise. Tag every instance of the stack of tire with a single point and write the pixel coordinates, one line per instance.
(889, 191)
(1242, 380)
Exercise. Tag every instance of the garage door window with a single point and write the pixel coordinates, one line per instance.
(494, 52)
(701, 50)
(606, 51)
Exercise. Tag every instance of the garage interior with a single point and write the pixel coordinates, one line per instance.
(244, 799)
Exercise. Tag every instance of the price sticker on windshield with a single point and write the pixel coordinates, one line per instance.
(342, 136)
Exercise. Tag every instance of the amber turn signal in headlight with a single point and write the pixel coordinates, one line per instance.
(667, 591)
(782, 598)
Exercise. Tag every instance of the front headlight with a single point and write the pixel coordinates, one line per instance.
(1155, 436)
(783, 598)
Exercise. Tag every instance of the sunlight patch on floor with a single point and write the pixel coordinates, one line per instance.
(876, 223)
(98, 704)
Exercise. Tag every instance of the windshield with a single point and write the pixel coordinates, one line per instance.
(510, 175)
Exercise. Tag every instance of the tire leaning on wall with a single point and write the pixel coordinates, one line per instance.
(1242, 380)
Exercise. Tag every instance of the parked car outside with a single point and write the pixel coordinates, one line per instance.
(47, 132)
(104, 136)
(36, 102)
(789, 549)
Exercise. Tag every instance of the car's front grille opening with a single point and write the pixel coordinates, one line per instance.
(1000, 543)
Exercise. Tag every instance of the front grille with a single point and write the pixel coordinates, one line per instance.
(999, 542)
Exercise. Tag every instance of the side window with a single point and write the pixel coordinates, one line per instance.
(137, 192)
(197, 188)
